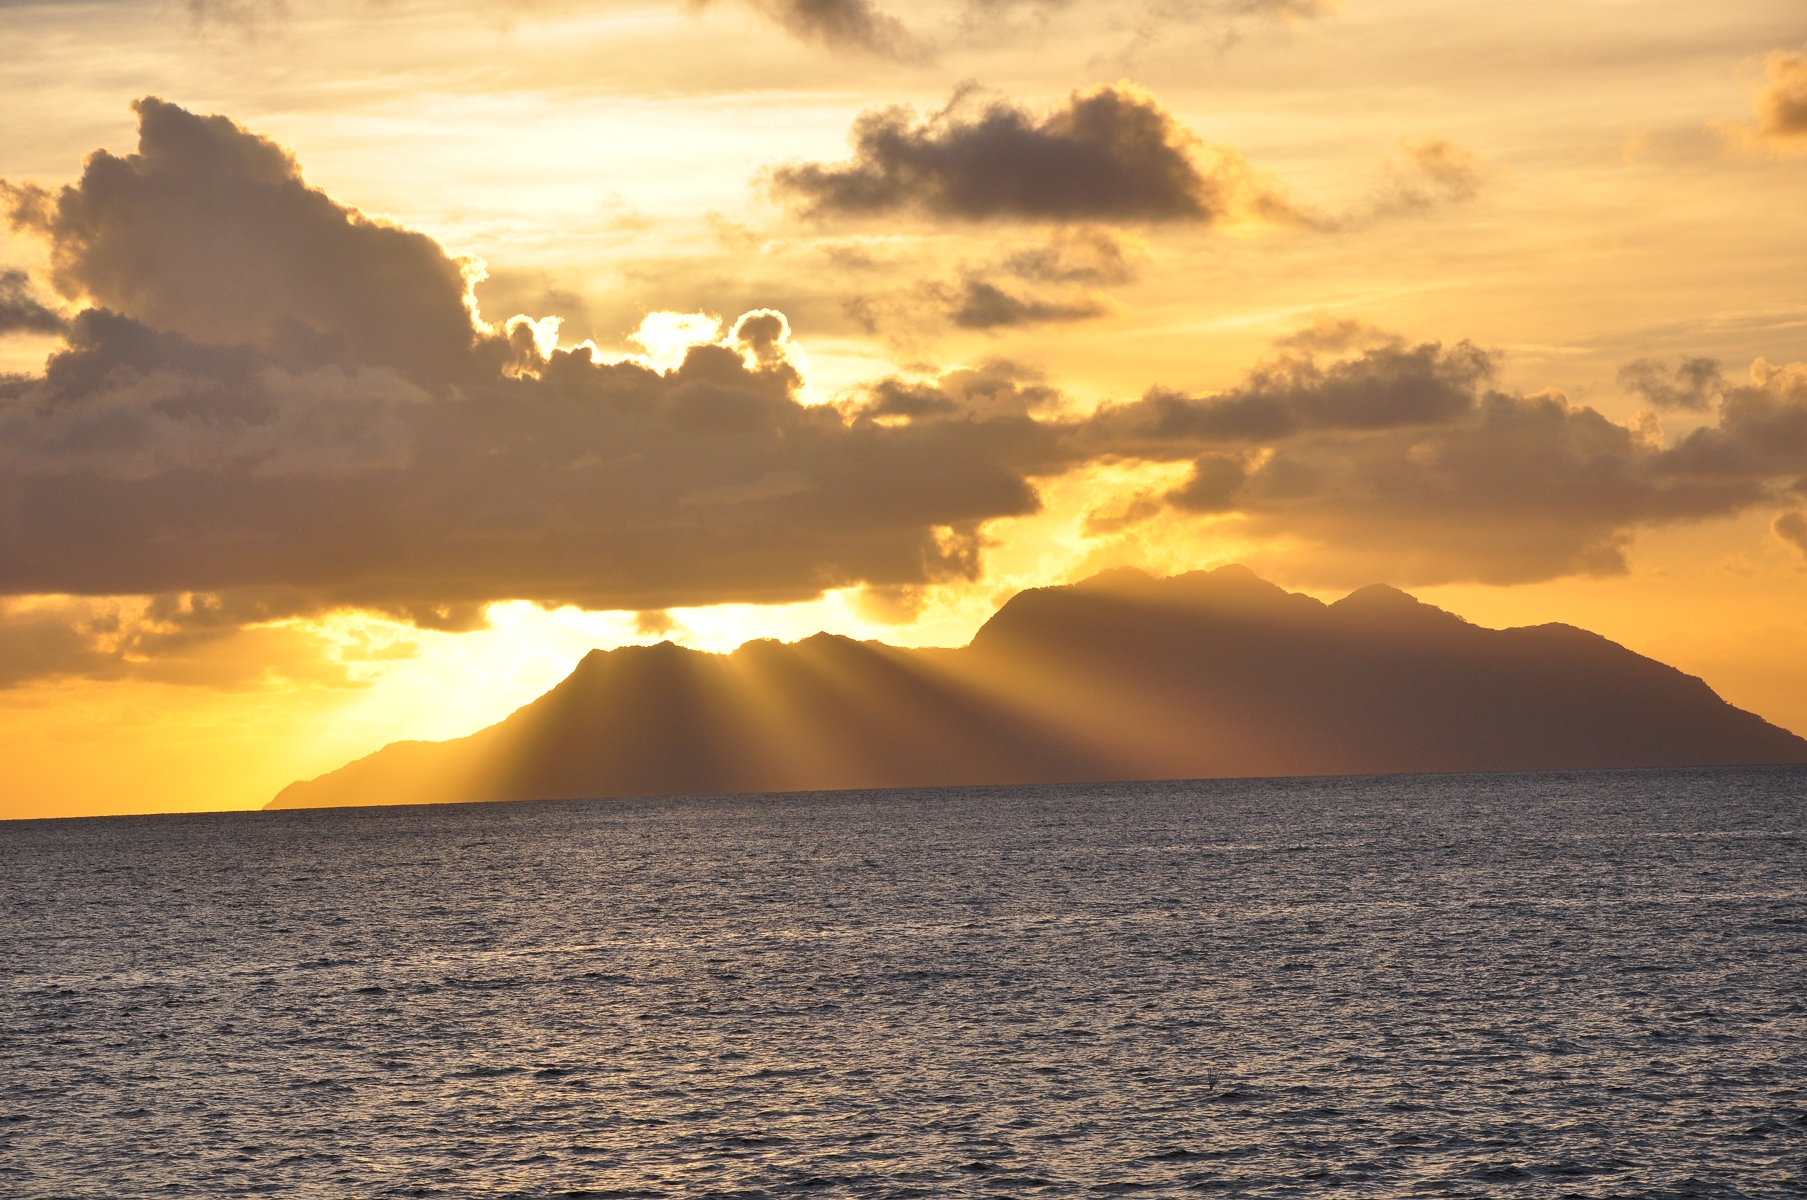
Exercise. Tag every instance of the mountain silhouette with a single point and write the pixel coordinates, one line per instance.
(1122, 676)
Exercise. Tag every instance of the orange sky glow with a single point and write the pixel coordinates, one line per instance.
(363, 365)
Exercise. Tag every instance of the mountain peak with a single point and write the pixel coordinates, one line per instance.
(1208, 674)
(1120, 580)
(1381, 603)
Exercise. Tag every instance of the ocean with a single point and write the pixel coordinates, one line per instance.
(1559, 984)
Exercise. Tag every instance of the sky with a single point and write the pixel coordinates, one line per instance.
(366, 362)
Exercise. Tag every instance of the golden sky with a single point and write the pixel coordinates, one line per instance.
(867, 316)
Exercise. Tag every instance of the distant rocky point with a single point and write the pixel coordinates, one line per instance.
(1209, 674)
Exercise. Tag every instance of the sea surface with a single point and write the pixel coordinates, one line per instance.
(1588, 984)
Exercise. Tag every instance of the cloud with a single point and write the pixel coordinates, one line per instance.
(974, 303)
(849, 25)
(142, 462)
(1521, 489)
(1791, 527)
(1437, 172)
(348, 433)
(1403, 462)
(861, 27)
(210, 231)
(983, 305)
(1334, 335)
(1094, 256)
(1045, 283)
(1508, 489)
(1782, 104)
(1692, 383)
(1387, 387)
(1111, 154)
(1761, 431)
(186, 639)
(249, 17)
(41, 642)
(274, 392)
(997, 392)
(1781, 109)
(21, 311)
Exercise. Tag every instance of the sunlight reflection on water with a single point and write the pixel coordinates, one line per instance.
(1580, 984)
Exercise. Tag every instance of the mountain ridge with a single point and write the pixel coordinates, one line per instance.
(1120, 676)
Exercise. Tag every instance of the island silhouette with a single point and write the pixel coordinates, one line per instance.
(1122, 676)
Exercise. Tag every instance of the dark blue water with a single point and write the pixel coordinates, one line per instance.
(1563, 984)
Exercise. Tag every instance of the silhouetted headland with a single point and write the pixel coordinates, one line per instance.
(1209, 674)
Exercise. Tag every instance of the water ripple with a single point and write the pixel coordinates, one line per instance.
(1561, 984)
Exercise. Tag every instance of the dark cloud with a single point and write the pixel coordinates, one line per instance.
(505, 291)
(1505, 489)
(44, 642)
(210, 232)
(1782, 104)
(1761, 431)
(20, 309)
(335, 438)
(233, 643)
(144, 463)
(997, 391)
(983, 305)
(1040, 284)
(1403, 462)
(1692, 383)
(1387, 387)
(1520, 489)
(1111, 154)
(289, 396)
(856, 25)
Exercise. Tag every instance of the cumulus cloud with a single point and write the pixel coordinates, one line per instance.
(1520, 489)
(211, 232)
(1405, 462)
(1782, 104)
(1110, 154)
(20, 309)
(271, 391)
(348, 432)
(1692, 383)
(1387, 387)
(1761, 431)
(1504, 489)
(142, 462)
(999, 392)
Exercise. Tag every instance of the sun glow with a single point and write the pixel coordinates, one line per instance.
(634, 183)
